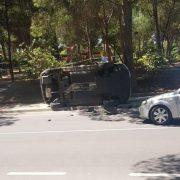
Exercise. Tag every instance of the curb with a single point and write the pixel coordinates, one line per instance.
(133, 103)
(25, 109)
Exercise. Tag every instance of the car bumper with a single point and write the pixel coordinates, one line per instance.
(144, 113)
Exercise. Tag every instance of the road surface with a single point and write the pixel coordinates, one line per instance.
(73, 145)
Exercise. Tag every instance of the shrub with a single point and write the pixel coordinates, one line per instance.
(149, 62)
(175, 54)
(34, 60)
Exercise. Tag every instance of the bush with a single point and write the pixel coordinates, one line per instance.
(149, 63)
(34, 60)
(175, 54)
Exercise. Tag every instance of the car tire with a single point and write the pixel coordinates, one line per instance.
(160, 115)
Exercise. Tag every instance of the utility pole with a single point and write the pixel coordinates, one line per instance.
(6, 4)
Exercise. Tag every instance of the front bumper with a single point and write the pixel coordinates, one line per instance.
(144, 113)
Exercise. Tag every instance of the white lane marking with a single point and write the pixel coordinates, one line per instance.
(36, 173)
(154, 175)
(85, 130)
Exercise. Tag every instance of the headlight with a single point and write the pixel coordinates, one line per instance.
(144, 102)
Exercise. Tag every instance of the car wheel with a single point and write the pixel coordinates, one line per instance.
(160, 115)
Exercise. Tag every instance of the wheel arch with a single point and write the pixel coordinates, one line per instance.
(162, 105)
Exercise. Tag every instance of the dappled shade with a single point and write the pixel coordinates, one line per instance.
(169, 164)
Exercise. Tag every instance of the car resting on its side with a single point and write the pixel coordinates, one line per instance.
(85, 85)
(162, 108)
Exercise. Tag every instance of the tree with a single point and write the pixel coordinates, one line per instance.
(126, 36)
(15, 27)
(163, 23)
(157, 30)
(6, 24)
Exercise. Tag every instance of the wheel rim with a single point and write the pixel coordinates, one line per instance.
(160, 115)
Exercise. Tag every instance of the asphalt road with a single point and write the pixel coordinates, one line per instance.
(77, 146)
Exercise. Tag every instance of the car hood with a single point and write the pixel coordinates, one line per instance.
(162, 96)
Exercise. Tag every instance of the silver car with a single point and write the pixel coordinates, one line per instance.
(162, 108)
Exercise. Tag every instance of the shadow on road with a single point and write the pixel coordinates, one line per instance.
(7, 120)
(111, 113)
(114, 113)
(172, 123)
(175, 122)
(169, 164)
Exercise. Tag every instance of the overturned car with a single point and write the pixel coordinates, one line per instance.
(85, 85)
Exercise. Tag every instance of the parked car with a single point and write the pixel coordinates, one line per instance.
(162, 108)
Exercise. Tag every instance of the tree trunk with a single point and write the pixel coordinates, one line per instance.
(156, 22)
(126, 25)
(106, 35)
(121, 33)
(79, 51)
(89, 43)
(4, 51)
(169, 20)
(169, 50)
(126, 38)
(9, 40)
(107, 47)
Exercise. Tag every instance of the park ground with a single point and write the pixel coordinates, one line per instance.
(104, 142)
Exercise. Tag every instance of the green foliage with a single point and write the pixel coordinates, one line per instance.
(175, 53)
(34, 60)
(149, 62)
(83, 23)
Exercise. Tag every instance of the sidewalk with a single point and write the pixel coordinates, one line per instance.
(134, 102)
(24, 108)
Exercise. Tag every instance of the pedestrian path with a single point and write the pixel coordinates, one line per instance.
(24, 107)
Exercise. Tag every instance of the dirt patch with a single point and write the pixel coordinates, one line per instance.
(20, 92)
(164, 81)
